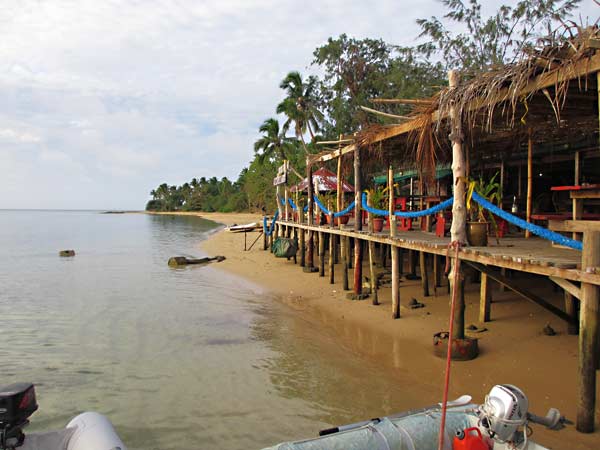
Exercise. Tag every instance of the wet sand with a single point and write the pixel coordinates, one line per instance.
(513, 349)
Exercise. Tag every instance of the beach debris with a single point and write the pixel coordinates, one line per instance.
(475, 328)
(177, 261)
(548, 330)
(411, 276)
(66, 253)
(415, 304)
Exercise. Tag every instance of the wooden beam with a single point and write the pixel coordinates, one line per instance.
(485, 299)
(403, 101)
(580, 225)
(588, 336)
(522, 263)
(568, 287)
(522, 292)
(384, 114)
(339, 141)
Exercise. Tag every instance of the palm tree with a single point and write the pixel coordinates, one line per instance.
(300, 106)
(273, 143)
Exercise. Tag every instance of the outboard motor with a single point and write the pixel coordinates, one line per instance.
(17, 403)
(506, 410)
(87, 431)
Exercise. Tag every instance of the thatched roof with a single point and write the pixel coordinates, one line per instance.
(552, 90)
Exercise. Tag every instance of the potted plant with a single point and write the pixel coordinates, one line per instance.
(377, 200)
(478, 218)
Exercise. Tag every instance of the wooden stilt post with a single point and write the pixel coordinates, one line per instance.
(395, 284)
(412, 269)
(309, 265)
(357, 225)
(459, 217)
(529, 178)
(577, 202)
(321, 254)
(437, 276)
(372, 273)
(588, 335)
(265, 239)
(571, 310)
(302, 246)
(391, 207)
(501, 181)
(400, 260)
(371, 247)
(286, 194)
(344, 252)
(485, 299)
(424, 274)
(332, 238)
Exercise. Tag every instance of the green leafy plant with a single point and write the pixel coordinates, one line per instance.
(490, 190)
(378, 197)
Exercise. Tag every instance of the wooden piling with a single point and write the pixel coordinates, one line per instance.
(485, 298)
(357, 224)
(302, 246)
(588, 334)
(309, 265)
(458, 233)
(395, 284)
(372, 273)
(332, 253)
(424, 274)
(344, 252)
(412, 267)
(437, 276)
(321, 254)
(571, 310)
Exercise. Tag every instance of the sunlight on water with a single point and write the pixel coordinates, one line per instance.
(176, 358)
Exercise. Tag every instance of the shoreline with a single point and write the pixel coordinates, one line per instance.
(513, 349)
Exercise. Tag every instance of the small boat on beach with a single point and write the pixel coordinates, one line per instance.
(500, 423)
(243, 228)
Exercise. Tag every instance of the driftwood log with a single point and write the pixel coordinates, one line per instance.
(66, 253)
(176, 261)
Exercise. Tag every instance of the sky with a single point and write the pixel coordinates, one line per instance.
(103, 100)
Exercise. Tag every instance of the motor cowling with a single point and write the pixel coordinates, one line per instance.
(504, 411)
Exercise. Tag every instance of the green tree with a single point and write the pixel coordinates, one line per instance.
(493, 40)
(300, 106)
(273, 144)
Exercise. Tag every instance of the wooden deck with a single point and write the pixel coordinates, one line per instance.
(533, 255)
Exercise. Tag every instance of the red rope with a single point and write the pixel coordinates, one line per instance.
(456, 246)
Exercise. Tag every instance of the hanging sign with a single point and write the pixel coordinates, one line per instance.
(281, 177)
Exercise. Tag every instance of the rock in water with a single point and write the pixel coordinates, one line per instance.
(66, 253)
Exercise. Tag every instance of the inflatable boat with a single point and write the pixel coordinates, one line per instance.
(87, 431)
(500, 424)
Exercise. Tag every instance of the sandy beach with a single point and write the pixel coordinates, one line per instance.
(513, 350)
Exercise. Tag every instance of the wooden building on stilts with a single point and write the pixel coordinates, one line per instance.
(536, 124)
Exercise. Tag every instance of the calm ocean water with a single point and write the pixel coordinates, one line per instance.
(187, 358)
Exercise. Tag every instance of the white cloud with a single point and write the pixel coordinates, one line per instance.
(106, 99)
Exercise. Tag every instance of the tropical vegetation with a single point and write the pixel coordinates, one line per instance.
(353, 71)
